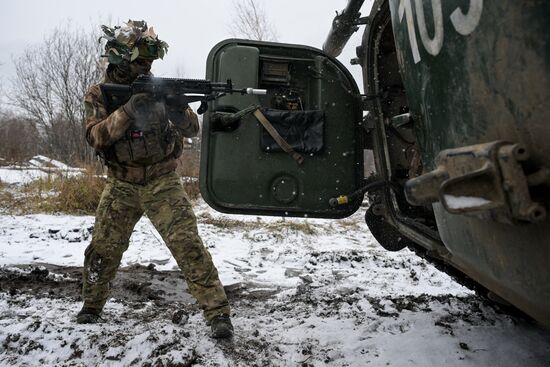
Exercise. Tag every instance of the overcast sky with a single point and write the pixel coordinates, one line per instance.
(191, 28)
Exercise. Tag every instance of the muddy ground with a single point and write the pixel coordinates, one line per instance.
(304, 292)
(153, 321)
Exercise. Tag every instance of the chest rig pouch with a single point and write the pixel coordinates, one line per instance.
(148, 140)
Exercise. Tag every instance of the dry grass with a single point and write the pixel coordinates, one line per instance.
(281, 226)
(349, 224)
(192, 188)
(189, 163)
(62, 194)
(79, 194)
(304, 227)
(188, 168)
(6, 197)
(225, 223)
(55, 194)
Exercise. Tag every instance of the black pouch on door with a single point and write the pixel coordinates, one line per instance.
(302, 130)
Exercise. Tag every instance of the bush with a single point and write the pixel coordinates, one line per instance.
(79, 194)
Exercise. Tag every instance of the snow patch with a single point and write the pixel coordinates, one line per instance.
(464, 202)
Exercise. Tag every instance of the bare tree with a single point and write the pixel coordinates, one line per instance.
(179, 70)
(17, 142)
(1, 81)
(250, 21)
(2, 94)
(51, 80)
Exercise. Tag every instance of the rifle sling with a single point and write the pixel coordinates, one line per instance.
(278, 138)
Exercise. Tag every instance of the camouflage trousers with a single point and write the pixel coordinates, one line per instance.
(166, 204)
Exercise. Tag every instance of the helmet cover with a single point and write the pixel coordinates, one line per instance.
(131, 41)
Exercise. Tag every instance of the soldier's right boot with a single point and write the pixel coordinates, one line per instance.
(88, 316)
(221, 327)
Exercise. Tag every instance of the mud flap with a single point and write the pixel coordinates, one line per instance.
(386, 234)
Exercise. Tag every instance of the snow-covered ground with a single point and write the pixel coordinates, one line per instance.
(39, 167)
(304, 292)
(15, 175)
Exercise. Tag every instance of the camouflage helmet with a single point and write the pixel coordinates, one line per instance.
(131, 41)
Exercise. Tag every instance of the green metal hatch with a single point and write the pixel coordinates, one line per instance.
(243, 170)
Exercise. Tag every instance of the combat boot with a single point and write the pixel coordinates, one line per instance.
(88, 316)
(221, 327)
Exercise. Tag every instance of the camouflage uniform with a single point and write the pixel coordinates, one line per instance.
(150, 186)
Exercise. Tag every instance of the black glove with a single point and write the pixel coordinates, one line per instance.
(138, 104)
(176, 103)
(176, 106)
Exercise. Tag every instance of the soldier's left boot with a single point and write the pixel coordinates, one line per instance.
(221, 327)
(88, 316)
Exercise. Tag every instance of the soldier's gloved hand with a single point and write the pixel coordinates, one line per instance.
(176, 106)
(176, 103)
(138, 104)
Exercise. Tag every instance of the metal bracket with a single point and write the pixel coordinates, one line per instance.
(486, 180)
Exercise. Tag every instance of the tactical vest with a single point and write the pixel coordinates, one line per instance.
(149, 139)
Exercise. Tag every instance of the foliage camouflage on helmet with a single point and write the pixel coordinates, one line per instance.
(131, 41)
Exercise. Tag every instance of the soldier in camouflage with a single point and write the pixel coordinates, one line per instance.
(140, 143)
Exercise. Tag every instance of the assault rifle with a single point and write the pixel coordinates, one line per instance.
(171, 90)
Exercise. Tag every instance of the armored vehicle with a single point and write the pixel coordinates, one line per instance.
(453, 115)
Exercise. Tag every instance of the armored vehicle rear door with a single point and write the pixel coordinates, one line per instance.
(314, 105)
